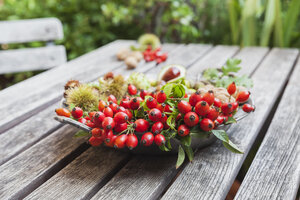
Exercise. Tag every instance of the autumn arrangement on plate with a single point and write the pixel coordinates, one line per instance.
(169, 115)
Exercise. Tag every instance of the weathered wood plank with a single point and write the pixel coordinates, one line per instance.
(275, 170)
(214, 169)
(86, 189)
(101, 162)
(31, 59)
(151, 185)
(12, 142)
(28, 30)
(28, 170)
(32, 95)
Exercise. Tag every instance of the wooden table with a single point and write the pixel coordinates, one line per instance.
(40, 159)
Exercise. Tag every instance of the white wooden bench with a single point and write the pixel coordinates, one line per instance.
(31, 59)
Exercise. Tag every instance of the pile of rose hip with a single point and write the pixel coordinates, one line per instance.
(154, 55)
(116, 125)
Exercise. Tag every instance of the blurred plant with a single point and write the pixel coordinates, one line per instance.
(264, 22)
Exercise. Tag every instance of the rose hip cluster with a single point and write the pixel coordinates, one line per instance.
(154, 55)
(116, 125)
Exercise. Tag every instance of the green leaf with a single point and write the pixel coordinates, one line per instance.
(221, 134)
(178, 91)
(71, 106)
(232, 147)
(210, 74)
(168, 143)
(164, 148)
(186, 140)
(189, 152)
(181, 157)
(200, 134)
(230, 120)
(81, 133)
(168, 88)
(232, 65)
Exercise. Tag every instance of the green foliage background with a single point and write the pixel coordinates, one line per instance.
(90, 24)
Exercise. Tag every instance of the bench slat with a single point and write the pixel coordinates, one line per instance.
(275, 170)
(51, 185)
(214, 169)
(31, 59)
(28, 30)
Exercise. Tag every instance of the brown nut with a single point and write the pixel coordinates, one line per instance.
(131, 62)
(137, 54)
(123, 53)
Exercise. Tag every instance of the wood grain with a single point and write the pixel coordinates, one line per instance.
(69, 171)
(25, 172)
(151, 185)
(28, 30)
(31, 59)
(275, 170)
(214, 169)
(73, 182)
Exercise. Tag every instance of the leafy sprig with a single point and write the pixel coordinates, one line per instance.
(225, 75)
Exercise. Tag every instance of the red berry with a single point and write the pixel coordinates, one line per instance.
(77, 112)
(108, 135)
(161, 96)
(195, 98)
(101, 105)
(131, 141)
(143, 93)
(209, 97)
(155, 115)
(151, 103)
(91, 114)
(191, 119)
(242, 96)
(153, 94)
(129, 114)
(82, 120)
(112, 98)
(120, 141)
(161, 107)
(248, 108)
(120, 118)
(95, 141)
(121, 109)
(235, 105)
(108, 123)
(159, 139)
(226, 108)
(141, 125)
(217, 103)
(120, 127)
(184, 107)
(157, 127)
(98, 118)
(113, 106)
(108, 112)
(96, 132)
(206, 124)
(125, 103)
(220, 120)
(231, 88)
(63, 112)
(163, 118)
(126, 98)
(90, 124)
(212, 114)
(134, 104)
(132, 89)
(111, 142)
(183, 130)
(202, 108)
(147, 139)
(168, 108)
(179, 116)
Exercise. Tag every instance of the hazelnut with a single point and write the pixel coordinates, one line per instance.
(131, 62)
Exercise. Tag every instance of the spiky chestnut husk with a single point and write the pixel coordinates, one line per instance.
(116, 86)
(83, 97)
(70, 84)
